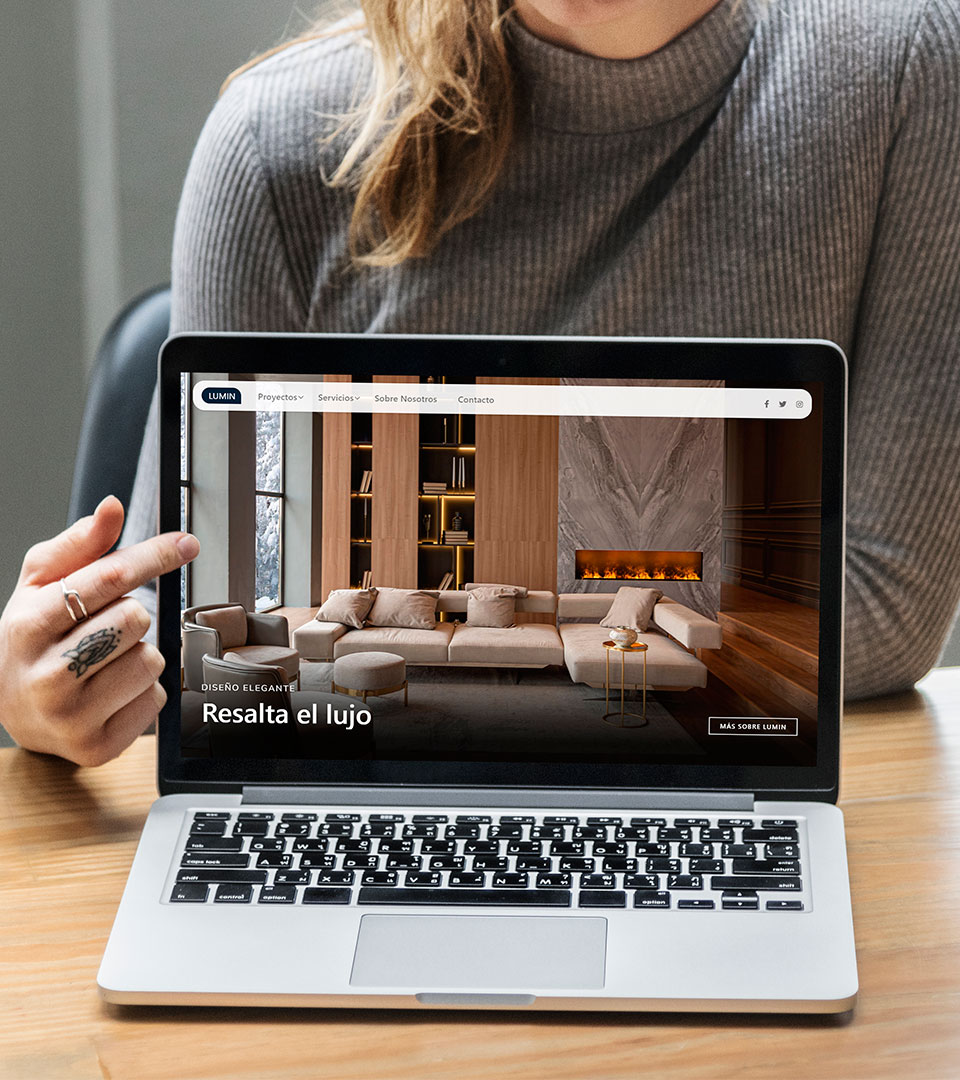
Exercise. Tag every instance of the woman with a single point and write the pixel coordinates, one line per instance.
(776, 168)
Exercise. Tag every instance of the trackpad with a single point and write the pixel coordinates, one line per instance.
(474, 952)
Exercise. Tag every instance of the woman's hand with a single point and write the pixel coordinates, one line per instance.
(84, 690)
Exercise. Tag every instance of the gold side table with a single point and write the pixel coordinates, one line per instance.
(623, 713)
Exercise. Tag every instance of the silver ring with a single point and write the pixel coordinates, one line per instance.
(71, 597)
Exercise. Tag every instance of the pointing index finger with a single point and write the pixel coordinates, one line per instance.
(122, 571)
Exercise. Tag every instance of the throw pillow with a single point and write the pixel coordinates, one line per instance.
(347, 606)
(229, 621)
(631, 606)
(520, 591)
(491, 605)
(412, 609)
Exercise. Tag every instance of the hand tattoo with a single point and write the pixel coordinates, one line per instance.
(92, 649)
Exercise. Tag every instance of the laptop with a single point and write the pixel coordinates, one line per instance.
(508, 677)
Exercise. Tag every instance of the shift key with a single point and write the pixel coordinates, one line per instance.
(743, 881)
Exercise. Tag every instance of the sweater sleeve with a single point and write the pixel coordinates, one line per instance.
(903, 498)
(230, 268)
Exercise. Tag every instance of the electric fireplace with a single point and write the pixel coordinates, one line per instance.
(609, 565)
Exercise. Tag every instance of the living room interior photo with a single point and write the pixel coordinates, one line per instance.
(565, 516)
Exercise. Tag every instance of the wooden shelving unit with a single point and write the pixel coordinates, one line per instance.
(361, 503)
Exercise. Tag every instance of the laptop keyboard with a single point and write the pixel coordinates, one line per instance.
(694, 863)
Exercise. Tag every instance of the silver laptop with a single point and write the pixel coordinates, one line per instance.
(508, 676)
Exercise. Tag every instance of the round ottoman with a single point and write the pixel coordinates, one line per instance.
(279, 656)
(369, 674)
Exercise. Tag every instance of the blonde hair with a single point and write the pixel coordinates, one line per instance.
(429, 140)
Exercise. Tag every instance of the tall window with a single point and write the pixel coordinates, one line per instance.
(269, 570)
(185, 406)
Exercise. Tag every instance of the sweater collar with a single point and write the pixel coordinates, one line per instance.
(573, 92)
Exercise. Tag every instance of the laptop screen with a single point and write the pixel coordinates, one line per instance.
(446, 567)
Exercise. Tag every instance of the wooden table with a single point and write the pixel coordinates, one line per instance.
(67, 839)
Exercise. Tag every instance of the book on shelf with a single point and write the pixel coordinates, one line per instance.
(366, 481)
(366, 579)
(450, 537)
(446, 581)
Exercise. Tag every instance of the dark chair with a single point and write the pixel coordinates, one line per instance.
(118, 402)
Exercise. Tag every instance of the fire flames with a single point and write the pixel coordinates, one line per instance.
(640, 566)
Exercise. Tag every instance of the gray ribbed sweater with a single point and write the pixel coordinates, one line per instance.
(823, 201)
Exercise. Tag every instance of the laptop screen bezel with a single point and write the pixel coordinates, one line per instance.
(740, 361)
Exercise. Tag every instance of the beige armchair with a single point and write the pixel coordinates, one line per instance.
(230, 632)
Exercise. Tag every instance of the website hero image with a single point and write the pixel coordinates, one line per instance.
(438, 569)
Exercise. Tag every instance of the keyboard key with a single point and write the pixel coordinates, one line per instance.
(360, 862)
(462, 831)
(327, 896)
(379, 877)
(695, 905)
(698, 822)
(489, 862)
(589, 832)
(467, 879)
(741, 851)
(736, 822)
(779, 884)
(615, 864)
(214, 843)
(419, 832)
(740, 894)
(291, 877)
(430, 819)
(652, 849)
(632, 832)
(684, 881)
(341, 817)
(783, 851)
(292, 828)
(277, 894)
(766, 866)
(598, 881)
(473, 819)
(784, 905)
(188, 893)
(299, 816)
(481, 847)
(360, 846)
(232, 877)
(533, 862)
(610, 847)
(510, 881)
(395, 847)
(255, 815)
(706, 866)
(385, 830)
(420, 879)
(657, 822)
(641, 881)
(334, 877)
(472, 897)
(707, 835)
(335, 828)
(524, 847)
(314, 861)
(274, 859)
(270, 843)
(604, 821)
(771, 836)
(233, 894)
(386, 817)
(517, 819)
(583, 866)
(505, 832)
(601, 898)
(222, 858)
(778, 823)
(735, 903)
(651, 898)
(546, 832)
(662, 866)
(694, 850)
(212, 815)
(316, 847)
(554, 881)
(567, 847)
(445, 862)
(553, 819)
(403, 862)
(251, 828)
(209, 828)
(438, 847)
(674, 834)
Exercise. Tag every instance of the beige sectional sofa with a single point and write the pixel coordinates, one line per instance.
(676, 632)
(531, 645)
(670, 666)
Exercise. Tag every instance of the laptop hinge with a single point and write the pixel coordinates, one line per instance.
(491, 797)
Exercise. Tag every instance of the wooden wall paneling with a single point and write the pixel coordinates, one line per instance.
(335, 499)
(517, 500)
(396, 470)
